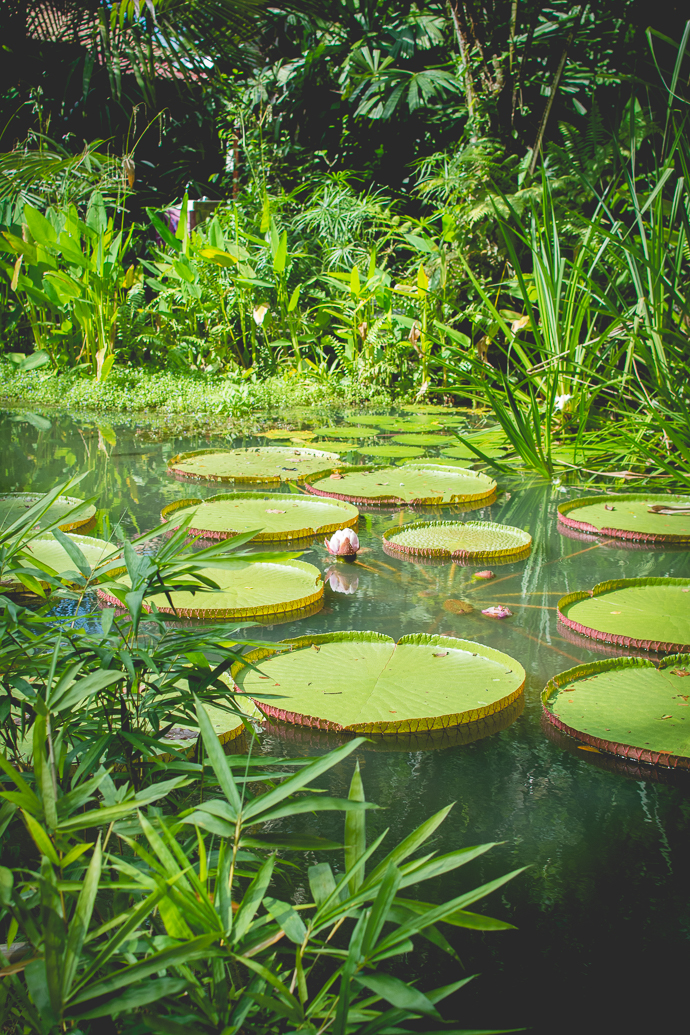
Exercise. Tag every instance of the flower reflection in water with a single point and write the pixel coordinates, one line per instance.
(341, 580)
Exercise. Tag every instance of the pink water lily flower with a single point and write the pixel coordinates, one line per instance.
(343, 543)
(483, 575)
(499, 611)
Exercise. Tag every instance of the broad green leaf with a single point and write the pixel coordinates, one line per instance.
(79, 922)
(41, 229)
(300, 779)
(252, 899)
(136, 997)
(398, 994)
(196, 948)
(287, 919)
(217, 758)
(392, 451)
(41, 838)
(409, 845)
(355, 832)
(321, 882)
(365, 683)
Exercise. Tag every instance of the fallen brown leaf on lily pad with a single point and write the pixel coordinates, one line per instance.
(276, 511)
(609, 506)
(680, 672)
(443, 655)
(336, 477)
(457, 607)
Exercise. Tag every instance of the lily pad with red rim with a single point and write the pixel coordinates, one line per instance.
(627, 516)
(249, 589)
(647, 613)
(276, 516)
(47, 550)
(255, 464)
(363, 682)
(14, 504)
(626, 706)
(421, 484)
(465, 541)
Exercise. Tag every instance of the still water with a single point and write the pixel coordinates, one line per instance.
(602, 913)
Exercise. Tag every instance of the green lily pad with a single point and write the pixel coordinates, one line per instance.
(366, 419)
(341, 447)
(277, 516)
(14, 505)
(629, 516)
(228, 726)
(650, 614)
(255, 464)
(48, 551)
(626, 706)
(250, 589)
(458, 540)
(403, 452)
(345, 431)
(363, 682)
(421, 484)
(465, 453)
(423, 440)
(464, 462)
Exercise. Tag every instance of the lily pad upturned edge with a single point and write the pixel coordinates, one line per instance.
(394, 727)
(332, 458)
(616, 533)
(397, 501)
(83, 524)
(621, 641)
(638, 754)
(261, 537)
(517, 553)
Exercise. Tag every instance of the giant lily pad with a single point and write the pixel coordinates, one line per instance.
(626, 706)
(256, 464)
(277, 516)
(629, 516)
(650, 614)
(423, 440)
(458, 540)
(48, 551)
(247, 590)
(403, 452)
(363, 682)
(14, 504)
(420, 484)
(345, 431)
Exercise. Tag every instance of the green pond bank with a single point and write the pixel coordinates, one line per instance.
(177, 398)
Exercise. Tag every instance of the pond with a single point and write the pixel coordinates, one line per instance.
(602, 912)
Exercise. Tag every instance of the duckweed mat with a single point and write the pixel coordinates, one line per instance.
(647, 614)
(364, 682)
(626, 706)
(274, 517)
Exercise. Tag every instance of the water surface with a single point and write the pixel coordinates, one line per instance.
(602, 911)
